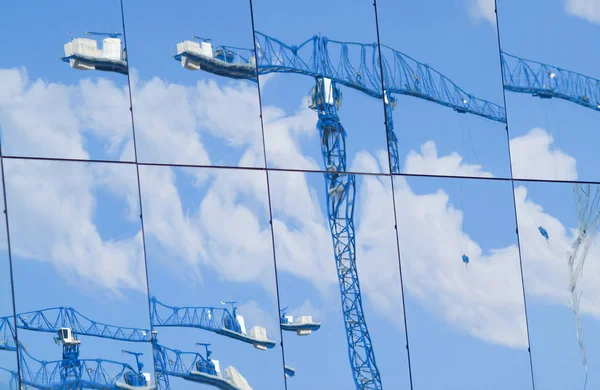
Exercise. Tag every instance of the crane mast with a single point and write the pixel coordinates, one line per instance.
(340, 195)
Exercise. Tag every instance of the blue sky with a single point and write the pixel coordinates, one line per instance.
(76, 234)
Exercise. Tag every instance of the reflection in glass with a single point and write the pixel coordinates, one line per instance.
(342, 56)
(458, 112)
(314, 283)
(79, 274)
(188, 107)
(84, 53)
(211, 275)
(50, 106)
(8, 345)
(551, 90)
(560, 274)
(465, 318)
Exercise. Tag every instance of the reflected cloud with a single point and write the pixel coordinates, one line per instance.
(483, 9)
(586, 9)
(534, 156)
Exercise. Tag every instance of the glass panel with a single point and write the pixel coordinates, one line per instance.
(209, 244)
(557, 226)
(65, 91)
(77, 258)
(552, 87)
(185, 113)
(309, 285)
(465, 133)
(464, 297)
(291, 137)
(8, 356)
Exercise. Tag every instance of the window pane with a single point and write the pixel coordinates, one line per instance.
(459, 40)
(77, 258)
(64, 92)
(184, 113)
(464, 297)
(558, 238)
(551, 98)
(309, 281)
(291, 135)
(8, 355)
(209, 245)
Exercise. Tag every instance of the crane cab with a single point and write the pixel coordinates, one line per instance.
(136, 380)
(65, 336)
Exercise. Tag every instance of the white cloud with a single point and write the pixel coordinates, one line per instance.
(428, 162)
(52, 211)
(165, 123)
(52, 120)
(483, 9)
(485, 298)
(533, 156)
(586, 9)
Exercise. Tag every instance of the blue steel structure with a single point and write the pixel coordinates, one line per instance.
(217, 320)
(71, 371)
(52, 319)
(548, 81)
(191, 366)
(13, 382)
(7, 334)
(351, 64)
(341, 191)
(82, 374)
(354, 65)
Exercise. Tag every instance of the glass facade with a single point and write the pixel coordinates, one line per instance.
(257, 194)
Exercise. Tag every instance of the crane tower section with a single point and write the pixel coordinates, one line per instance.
(340, 197)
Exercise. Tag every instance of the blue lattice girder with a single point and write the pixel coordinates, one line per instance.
(549, 81)
(352, 64)
(52, 319)
(340, 197)
(217, 320)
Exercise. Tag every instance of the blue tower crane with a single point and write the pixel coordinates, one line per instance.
(217, 320)
(401, 75)
(67, 323)
(82, 374)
